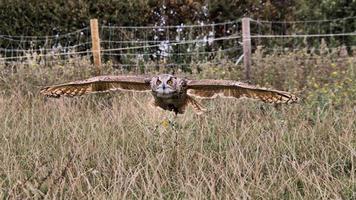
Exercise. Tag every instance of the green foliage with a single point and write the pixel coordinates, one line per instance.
(325, 9)
(34, 17)
(322, 78)
(50, 17)
(338, 88)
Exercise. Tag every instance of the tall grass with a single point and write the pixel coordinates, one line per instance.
(115, 147)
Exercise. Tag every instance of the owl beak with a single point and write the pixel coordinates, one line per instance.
(164, 91)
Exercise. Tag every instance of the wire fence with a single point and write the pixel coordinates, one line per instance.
(182, 45)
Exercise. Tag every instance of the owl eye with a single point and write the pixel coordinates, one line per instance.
(170, 82)
(158, 82)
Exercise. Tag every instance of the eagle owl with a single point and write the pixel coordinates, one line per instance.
(170, 92)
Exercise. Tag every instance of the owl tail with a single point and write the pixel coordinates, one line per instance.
(198, 108)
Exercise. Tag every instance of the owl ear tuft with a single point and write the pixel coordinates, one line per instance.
(183, 82)
(147, 80)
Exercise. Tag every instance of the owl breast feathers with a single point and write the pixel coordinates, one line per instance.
(170, 92)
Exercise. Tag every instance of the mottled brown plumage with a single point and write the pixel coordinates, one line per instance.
(170, 92)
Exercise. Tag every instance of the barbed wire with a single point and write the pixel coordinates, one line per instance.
(304, 35)
(128, 48)
(47, 55)
(41, 38)
(130, 41)
(174, 43)
(281, 49)
(173, 54)
(302, 21)
(117, 47)
(46, 49)
(173, 26)
(215, 62)
(300, 58)
(57, 36)
(304, 58)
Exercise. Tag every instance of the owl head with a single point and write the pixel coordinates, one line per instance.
(167, 85)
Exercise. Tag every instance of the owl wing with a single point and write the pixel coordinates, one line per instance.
(235, 89)
(98, 84)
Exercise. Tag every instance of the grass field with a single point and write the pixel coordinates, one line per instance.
(115, 147)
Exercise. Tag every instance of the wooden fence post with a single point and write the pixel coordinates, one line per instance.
(94, 30)
(246, 40)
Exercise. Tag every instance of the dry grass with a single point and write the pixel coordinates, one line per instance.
(114, 147)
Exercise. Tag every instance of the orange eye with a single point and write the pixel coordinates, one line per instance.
(170, 82)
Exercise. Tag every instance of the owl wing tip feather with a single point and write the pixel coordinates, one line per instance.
(292, 99)
(48, 93)
(44, 91)
(54, 92)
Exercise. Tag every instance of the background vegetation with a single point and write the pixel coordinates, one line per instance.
(48, 17)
